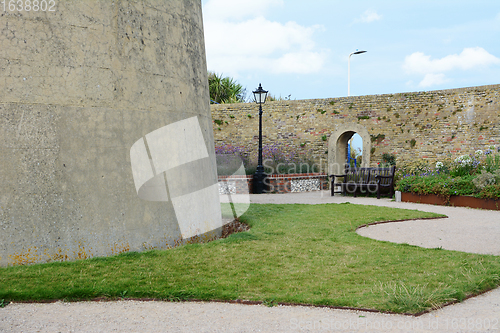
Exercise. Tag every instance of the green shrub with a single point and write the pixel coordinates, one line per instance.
(389, 158)
(440, 184)
(484, 179)
(492, 162)
(490, 192)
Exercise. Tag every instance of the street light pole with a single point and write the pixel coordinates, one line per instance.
(349, 71)
(259, 176)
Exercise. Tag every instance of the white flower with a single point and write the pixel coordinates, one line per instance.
(464, 160)
(479, 152)
(439, 165)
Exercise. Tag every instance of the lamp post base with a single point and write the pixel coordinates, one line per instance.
(259, 183)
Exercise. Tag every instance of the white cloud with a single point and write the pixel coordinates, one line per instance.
(298, 62)
(239, 39)
(433, 80)
(433, 69)
(470, 58)
(369, 16)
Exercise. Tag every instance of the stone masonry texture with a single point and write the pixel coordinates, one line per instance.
(430, 125)
(78, 86)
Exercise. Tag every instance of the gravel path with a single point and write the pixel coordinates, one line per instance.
(465, 230)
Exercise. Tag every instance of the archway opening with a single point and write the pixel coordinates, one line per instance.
(354, 154)
(345, 152)
(348, 140)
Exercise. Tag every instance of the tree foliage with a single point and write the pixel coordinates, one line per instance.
(224, 89)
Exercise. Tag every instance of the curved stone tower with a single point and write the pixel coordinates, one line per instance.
(106, 134)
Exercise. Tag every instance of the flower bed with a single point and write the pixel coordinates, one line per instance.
(275, 159)
(476, 175)
(286, 172)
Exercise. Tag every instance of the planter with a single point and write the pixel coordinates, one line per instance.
(455, 200)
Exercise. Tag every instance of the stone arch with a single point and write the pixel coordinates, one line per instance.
(337, 146)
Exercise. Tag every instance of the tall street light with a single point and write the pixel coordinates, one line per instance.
(349, 71)
(259, 176)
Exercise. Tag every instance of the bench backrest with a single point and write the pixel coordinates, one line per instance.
(357, 175)
(383, 172)
(367, 175)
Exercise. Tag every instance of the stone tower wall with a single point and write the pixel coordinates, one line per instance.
(78, 87)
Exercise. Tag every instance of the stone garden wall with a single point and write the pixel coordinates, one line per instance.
(431, 125)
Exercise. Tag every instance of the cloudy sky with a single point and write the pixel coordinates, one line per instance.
(301, 48)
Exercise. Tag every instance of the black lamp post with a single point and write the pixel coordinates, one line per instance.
(259, 176)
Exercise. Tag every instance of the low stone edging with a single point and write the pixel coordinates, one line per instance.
(455, 200)
(281, 183)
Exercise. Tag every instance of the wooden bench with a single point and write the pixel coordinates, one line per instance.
(362, 180)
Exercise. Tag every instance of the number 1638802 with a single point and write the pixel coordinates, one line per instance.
(28, 5)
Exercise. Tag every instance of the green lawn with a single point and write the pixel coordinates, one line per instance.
(293, 253)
